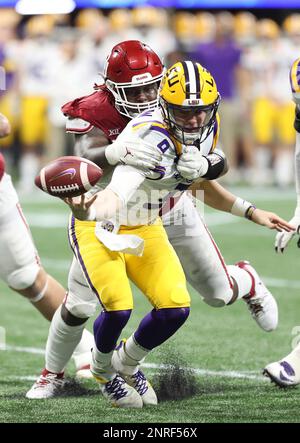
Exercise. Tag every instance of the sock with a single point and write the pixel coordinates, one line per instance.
(82, 355)
(62, 340)
(101, 366)
(130, 356)
(294, 359)
(159, 325)
(242, 278)
(262, 156)
(284, 168)
(29, 167)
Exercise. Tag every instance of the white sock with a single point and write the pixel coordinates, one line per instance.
(128, 358)
(29, 167)
(101, 366)
(62, 340)
(242, 278)
(284, 168)
(82, 355)
(294, 358)
(262, 156)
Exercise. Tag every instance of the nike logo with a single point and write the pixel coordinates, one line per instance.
(70, 171)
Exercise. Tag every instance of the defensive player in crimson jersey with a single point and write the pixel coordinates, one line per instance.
(202, 261)
(20, 266)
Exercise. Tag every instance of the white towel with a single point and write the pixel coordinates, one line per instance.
(125, 243)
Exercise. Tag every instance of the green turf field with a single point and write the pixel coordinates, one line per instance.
(224, 347)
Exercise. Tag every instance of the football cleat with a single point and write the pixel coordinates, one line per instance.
(260, 301)
(137, 380)
(282, 374)
(120, 394)
(84, 372)
(47, 385)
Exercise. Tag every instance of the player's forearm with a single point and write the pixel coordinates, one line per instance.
(215, 195)
(93, 146)
(4, 126)
(105, 206)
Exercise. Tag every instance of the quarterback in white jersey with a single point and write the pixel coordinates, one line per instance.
(184, 131)
(286, 372)
(20, 266)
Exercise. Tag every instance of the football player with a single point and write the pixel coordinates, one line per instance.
(286, 372)
(20, 266)
(187, 118)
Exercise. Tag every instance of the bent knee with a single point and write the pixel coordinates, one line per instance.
(81, 308)
(218, 299)
(25, 279)
(177, 297)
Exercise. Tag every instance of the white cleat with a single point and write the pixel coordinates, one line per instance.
(282, 374)
(84, 372)
(260, 301)
(48, 385)
(120, 394)
(137, 380)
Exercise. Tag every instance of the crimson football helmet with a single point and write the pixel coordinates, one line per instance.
(133, 73)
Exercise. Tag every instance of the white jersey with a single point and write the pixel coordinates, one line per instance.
(8, 195)
(148, 195)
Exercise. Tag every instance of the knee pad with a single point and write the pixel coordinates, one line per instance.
(172, 315)
(24, 277)
(215, 302)
(82, 308)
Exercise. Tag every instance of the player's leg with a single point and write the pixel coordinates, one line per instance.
(20, 265)
(105, 272)
(207, 272)
(21, 270)
(160, 277)
(65, 336)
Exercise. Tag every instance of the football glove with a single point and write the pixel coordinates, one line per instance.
(135, 152)
(192, 164)
(283, 238)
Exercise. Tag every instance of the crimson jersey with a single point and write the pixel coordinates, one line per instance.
(2, 165)
(98, 110)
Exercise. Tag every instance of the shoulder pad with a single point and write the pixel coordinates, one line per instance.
(78, 125)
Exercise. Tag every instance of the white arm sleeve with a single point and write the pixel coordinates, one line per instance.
(125, 181)
(297, 172)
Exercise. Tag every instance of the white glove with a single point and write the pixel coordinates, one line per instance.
(283, 238)
(135, 152)
(192, 164)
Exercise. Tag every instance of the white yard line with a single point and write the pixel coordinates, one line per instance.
(249, 375)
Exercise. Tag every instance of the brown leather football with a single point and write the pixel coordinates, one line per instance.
(68, 176)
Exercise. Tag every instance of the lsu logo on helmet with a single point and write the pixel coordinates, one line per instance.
(187, 88)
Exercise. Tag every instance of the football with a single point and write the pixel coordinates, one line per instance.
(68, 176)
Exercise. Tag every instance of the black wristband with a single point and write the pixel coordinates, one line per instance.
(216, 166)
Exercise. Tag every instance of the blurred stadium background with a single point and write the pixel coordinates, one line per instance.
(48, 59)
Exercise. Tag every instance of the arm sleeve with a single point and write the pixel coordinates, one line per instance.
(125, 181)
